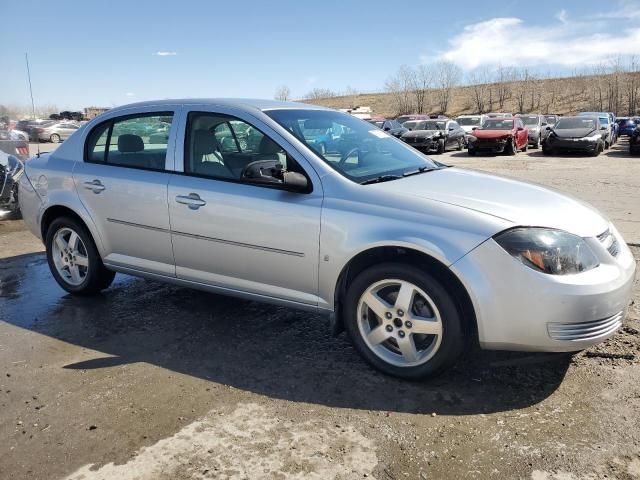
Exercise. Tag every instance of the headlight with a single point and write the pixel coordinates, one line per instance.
(594, 137)
(549, 251)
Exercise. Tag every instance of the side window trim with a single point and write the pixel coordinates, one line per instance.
(173, 112)
(230, 117)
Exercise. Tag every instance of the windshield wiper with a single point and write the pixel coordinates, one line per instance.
(381, 178)
(420, 170)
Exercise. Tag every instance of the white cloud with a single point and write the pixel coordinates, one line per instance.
(164, 53)
(562, 16)
(509, 41)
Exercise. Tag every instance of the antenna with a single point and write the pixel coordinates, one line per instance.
(33, 105)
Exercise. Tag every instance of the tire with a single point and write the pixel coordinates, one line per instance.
(460, 145)
(55, 138)
(434, 353)
(89, 279)
(471, 152)
(511, 148)
(526, 146)
(441, 146)
(606, 145)
(598, 150)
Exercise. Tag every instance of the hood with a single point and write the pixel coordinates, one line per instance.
(467, 128)
(519, 202)
(574, 132)
(490, 134)
(421, 133)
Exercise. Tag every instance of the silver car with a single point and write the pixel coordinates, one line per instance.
(413, 258)
(56, 132)
(537, 126)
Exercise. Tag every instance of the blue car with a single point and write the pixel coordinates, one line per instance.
(626, 126)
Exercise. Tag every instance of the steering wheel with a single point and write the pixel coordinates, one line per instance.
(344, 157)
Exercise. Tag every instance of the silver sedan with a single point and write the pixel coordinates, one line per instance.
(56, 132)
(414, 259)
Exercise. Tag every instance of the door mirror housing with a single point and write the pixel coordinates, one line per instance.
(271, 172)
(386, 129)
(520, 129)
(603, 128)
(295, 182)
(474, 128)
(548, 129)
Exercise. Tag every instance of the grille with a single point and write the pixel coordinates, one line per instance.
(610, 242)
(585, 330)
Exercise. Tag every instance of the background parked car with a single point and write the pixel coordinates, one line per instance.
(30, 126)
(11, 169)
(469, 122)
(499, 135)
(580, 134)
(605, 121)
(499, 115)
(434, 135)
(405, 118)
(551, 119)
(536, 126)
(634, 141)
(392, 127)
(13, 144)
(56, 132)
(626, 126)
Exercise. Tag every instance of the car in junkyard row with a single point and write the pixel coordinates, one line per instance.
(634, 141)
(415, 259)
(11, 169)
(580, 134)
(391, 126)
(434, 136)
(536, 125)
(499, 135)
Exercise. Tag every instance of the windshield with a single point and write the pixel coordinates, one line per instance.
(355, 149)
(529, 119)
(576, 122)
(550, 119)
(425, 125)
(493, 124)
(604, 120)
(468, 121)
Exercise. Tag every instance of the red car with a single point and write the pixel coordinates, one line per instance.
(499, 135)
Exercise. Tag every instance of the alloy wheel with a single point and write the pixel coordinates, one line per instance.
(70, 256)
(399, 323)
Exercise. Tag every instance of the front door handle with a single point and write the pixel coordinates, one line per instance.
(96, 186)
(193, 201)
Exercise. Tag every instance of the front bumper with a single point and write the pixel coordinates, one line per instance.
(488, 146)
(571, 145)
(518, 308)
(424, 145)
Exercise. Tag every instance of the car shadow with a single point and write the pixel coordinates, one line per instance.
(270, 350)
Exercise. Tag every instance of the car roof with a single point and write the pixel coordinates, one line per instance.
(241, 103)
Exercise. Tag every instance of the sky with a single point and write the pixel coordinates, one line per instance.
(109, 53)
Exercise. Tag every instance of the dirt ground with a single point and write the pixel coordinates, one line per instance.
(150, 381)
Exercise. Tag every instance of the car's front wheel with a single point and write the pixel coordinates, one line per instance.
(55, 138)
(74, 259)
(403, 321)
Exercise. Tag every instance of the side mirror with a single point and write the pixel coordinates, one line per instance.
(451, 129)
(474, 128)
(603, 128)
(548, 129)
(544, 124)
(295, 182)
(263, 171)
(386, 129)
(520, 129)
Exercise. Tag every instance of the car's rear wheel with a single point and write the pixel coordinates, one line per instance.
(74, 259)
(403, 321)
(536, 145)
(460, 144)
(55, 138)
(441, 146)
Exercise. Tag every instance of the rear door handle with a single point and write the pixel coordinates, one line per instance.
(96, 186)
(193, 201)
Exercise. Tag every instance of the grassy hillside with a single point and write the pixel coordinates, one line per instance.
(555, 95)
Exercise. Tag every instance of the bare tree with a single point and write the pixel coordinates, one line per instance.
(318, 93)
(480, 89)
(421, 83)
(351, 95)
(446, 76)
(632, 86)
(503, 80)
(400, 87)
(283, 93)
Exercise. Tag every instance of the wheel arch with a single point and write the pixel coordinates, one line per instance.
(411, 256)
(60, 210)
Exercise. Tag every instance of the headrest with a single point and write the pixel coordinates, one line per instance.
(204, 143)
(129, 143)
(268, 146)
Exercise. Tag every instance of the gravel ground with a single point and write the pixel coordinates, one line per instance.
(152, 381)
